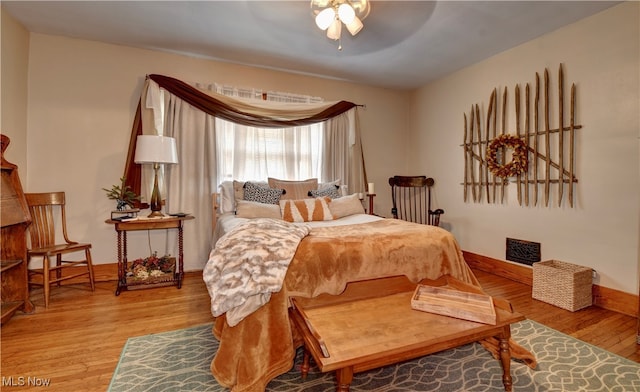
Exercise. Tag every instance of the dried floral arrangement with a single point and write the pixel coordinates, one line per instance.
(518, 164)
(152, 266)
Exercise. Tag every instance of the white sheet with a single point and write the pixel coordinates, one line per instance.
(226, 222)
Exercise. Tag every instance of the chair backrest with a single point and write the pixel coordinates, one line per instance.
(411, 198)
(43, 208)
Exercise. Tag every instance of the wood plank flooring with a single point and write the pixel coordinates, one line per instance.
(76, 343)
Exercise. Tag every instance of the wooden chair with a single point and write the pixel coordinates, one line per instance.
(48, 217)
(411, 198)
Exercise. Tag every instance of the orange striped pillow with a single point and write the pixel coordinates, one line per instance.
(306, 210)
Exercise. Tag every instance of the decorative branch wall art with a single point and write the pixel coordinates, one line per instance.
(538, 158)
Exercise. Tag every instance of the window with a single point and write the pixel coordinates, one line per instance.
(249, 153)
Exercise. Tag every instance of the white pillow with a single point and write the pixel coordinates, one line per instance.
(345, 206)
(254, 209)
(227, 197)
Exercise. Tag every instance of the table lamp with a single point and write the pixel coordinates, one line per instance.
(156, 150)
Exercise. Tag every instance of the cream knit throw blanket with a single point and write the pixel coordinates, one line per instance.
(248, 264)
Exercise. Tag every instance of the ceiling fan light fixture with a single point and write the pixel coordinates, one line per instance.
(335, 30)
(331, 14)
(325, 18)
(355, 26)
(346, 13)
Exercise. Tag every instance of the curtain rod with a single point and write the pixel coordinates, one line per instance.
(264, 94)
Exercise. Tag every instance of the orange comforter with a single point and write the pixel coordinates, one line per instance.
(262, 346)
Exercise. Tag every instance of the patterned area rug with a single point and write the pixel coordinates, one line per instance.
(179, 361)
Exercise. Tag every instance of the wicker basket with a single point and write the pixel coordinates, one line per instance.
(565, 285)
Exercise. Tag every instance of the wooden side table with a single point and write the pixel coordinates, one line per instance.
(122, 227)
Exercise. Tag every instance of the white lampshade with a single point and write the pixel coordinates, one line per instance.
(346, 13)
(325, 18)
(355, 26)
(156, 149)
(335, 30)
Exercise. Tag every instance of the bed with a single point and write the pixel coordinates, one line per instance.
(260, 343)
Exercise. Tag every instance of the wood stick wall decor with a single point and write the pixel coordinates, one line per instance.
(538, 159)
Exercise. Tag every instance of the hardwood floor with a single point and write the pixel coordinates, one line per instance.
(76, 343)
(607, 329)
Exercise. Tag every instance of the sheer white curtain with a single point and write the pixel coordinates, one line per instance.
(211, 150)
(250, 153)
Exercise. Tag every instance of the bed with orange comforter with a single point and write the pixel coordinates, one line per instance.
(262, 345)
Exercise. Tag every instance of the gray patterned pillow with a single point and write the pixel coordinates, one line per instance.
(253, 192)
(330, 191)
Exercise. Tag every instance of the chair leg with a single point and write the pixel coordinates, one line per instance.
(90, 268)
(45, 280)
(58, 270)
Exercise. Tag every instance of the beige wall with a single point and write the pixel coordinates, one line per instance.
(82, 100)
(601, 56)
(13, 87)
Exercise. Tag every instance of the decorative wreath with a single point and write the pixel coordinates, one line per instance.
(518, 164)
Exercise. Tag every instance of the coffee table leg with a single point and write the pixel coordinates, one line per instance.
(304, 369)
(505, 358)
(344, 377)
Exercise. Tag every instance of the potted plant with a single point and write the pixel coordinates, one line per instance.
(123, 195)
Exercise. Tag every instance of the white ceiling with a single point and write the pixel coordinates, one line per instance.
(403, 45)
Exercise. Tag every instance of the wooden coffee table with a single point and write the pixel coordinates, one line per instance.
(354, 335)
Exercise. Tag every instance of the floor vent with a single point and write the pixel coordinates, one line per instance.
(521, 251)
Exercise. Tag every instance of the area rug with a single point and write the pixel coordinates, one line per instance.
(180, 360)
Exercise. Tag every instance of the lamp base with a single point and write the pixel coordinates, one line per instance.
(156, 200)
(155, 214)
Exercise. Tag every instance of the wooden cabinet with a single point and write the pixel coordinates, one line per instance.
(14, 219)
